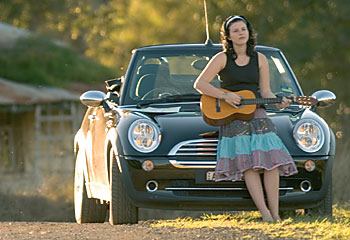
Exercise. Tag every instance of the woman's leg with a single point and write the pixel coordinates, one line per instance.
(271, 184)
(253, 182)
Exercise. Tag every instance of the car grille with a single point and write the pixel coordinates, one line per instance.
(184, 152)
(223, 189)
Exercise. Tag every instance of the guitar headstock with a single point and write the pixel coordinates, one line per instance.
(306, 101)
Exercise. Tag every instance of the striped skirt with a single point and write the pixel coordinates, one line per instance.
(253, 145)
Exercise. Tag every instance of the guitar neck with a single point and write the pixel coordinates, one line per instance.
(261, 101)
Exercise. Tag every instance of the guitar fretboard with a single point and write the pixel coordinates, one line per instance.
(261, 101)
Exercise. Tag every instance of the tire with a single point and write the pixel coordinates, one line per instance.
(87, 210)
(121, 210)
(325, 209)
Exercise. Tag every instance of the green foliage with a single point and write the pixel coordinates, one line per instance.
(312, 34)
(39, 61)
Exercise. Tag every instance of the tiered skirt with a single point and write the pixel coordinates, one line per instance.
(253, 145)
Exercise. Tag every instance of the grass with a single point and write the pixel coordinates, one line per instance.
(41, 62)
(298, 227)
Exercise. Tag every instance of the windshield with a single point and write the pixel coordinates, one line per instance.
(159, 75)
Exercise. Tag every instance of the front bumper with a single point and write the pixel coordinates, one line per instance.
(187, 188)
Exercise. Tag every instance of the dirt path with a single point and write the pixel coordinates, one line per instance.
(35, 217)
(143, 230)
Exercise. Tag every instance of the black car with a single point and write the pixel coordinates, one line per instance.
(144, 144)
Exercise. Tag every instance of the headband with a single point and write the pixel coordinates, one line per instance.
(234, 18)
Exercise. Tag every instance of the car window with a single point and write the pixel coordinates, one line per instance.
(281, 79)
(155, 74)
(175, 73)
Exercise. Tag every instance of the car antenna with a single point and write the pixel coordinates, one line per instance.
(208, 42)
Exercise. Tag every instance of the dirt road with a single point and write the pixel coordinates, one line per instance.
(143, 230)
(30, 217)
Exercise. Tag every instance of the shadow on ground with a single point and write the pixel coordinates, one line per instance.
(35, 208)
(40, 209)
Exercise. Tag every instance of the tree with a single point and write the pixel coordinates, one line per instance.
(313, 34)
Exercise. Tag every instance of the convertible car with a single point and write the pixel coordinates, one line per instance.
(144, 143)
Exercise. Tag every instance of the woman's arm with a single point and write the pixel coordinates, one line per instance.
(202, 83)
(264, 82)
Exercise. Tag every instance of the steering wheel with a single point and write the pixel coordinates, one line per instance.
(159, 93)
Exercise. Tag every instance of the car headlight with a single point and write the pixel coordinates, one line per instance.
(144, 135)
(309, 135)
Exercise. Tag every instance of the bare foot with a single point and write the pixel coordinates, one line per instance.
(267, 217)
(277, 218)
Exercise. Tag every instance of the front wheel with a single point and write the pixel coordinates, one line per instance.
(87, 210)
(121, 210)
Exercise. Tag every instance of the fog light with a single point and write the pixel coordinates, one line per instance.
(147, 165)
(310, 165)
(152, 186)
(305, 186)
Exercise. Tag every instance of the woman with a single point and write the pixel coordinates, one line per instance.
(247, 147)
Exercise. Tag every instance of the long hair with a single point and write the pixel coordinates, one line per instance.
(227, 43)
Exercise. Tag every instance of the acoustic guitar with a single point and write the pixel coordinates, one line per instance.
(219, 112)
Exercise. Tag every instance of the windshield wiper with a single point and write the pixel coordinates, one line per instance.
(170, 98)
(293, 109)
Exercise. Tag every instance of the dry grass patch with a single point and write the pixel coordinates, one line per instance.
(299, 227)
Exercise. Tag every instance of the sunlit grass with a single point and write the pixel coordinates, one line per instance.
(39, 61)
(299, 226)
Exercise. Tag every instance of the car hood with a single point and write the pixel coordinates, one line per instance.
(178, 124)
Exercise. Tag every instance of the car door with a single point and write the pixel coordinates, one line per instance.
(95, 144)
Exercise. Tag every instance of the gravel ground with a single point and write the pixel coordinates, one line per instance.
(35, 217)
(143, 230)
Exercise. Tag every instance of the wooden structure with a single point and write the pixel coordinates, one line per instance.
(37, 127)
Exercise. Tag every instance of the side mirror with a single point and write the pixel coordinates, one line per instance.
(325, 98)
(93, 98)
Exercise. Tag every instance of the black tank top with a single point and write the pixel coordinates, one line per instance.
(236, 78)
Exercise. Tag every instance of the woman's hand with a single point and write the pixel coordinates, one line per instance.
(285, 102)
(232, 98)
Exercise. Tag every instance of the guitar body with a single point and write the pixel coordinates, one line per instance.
(218, 112)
